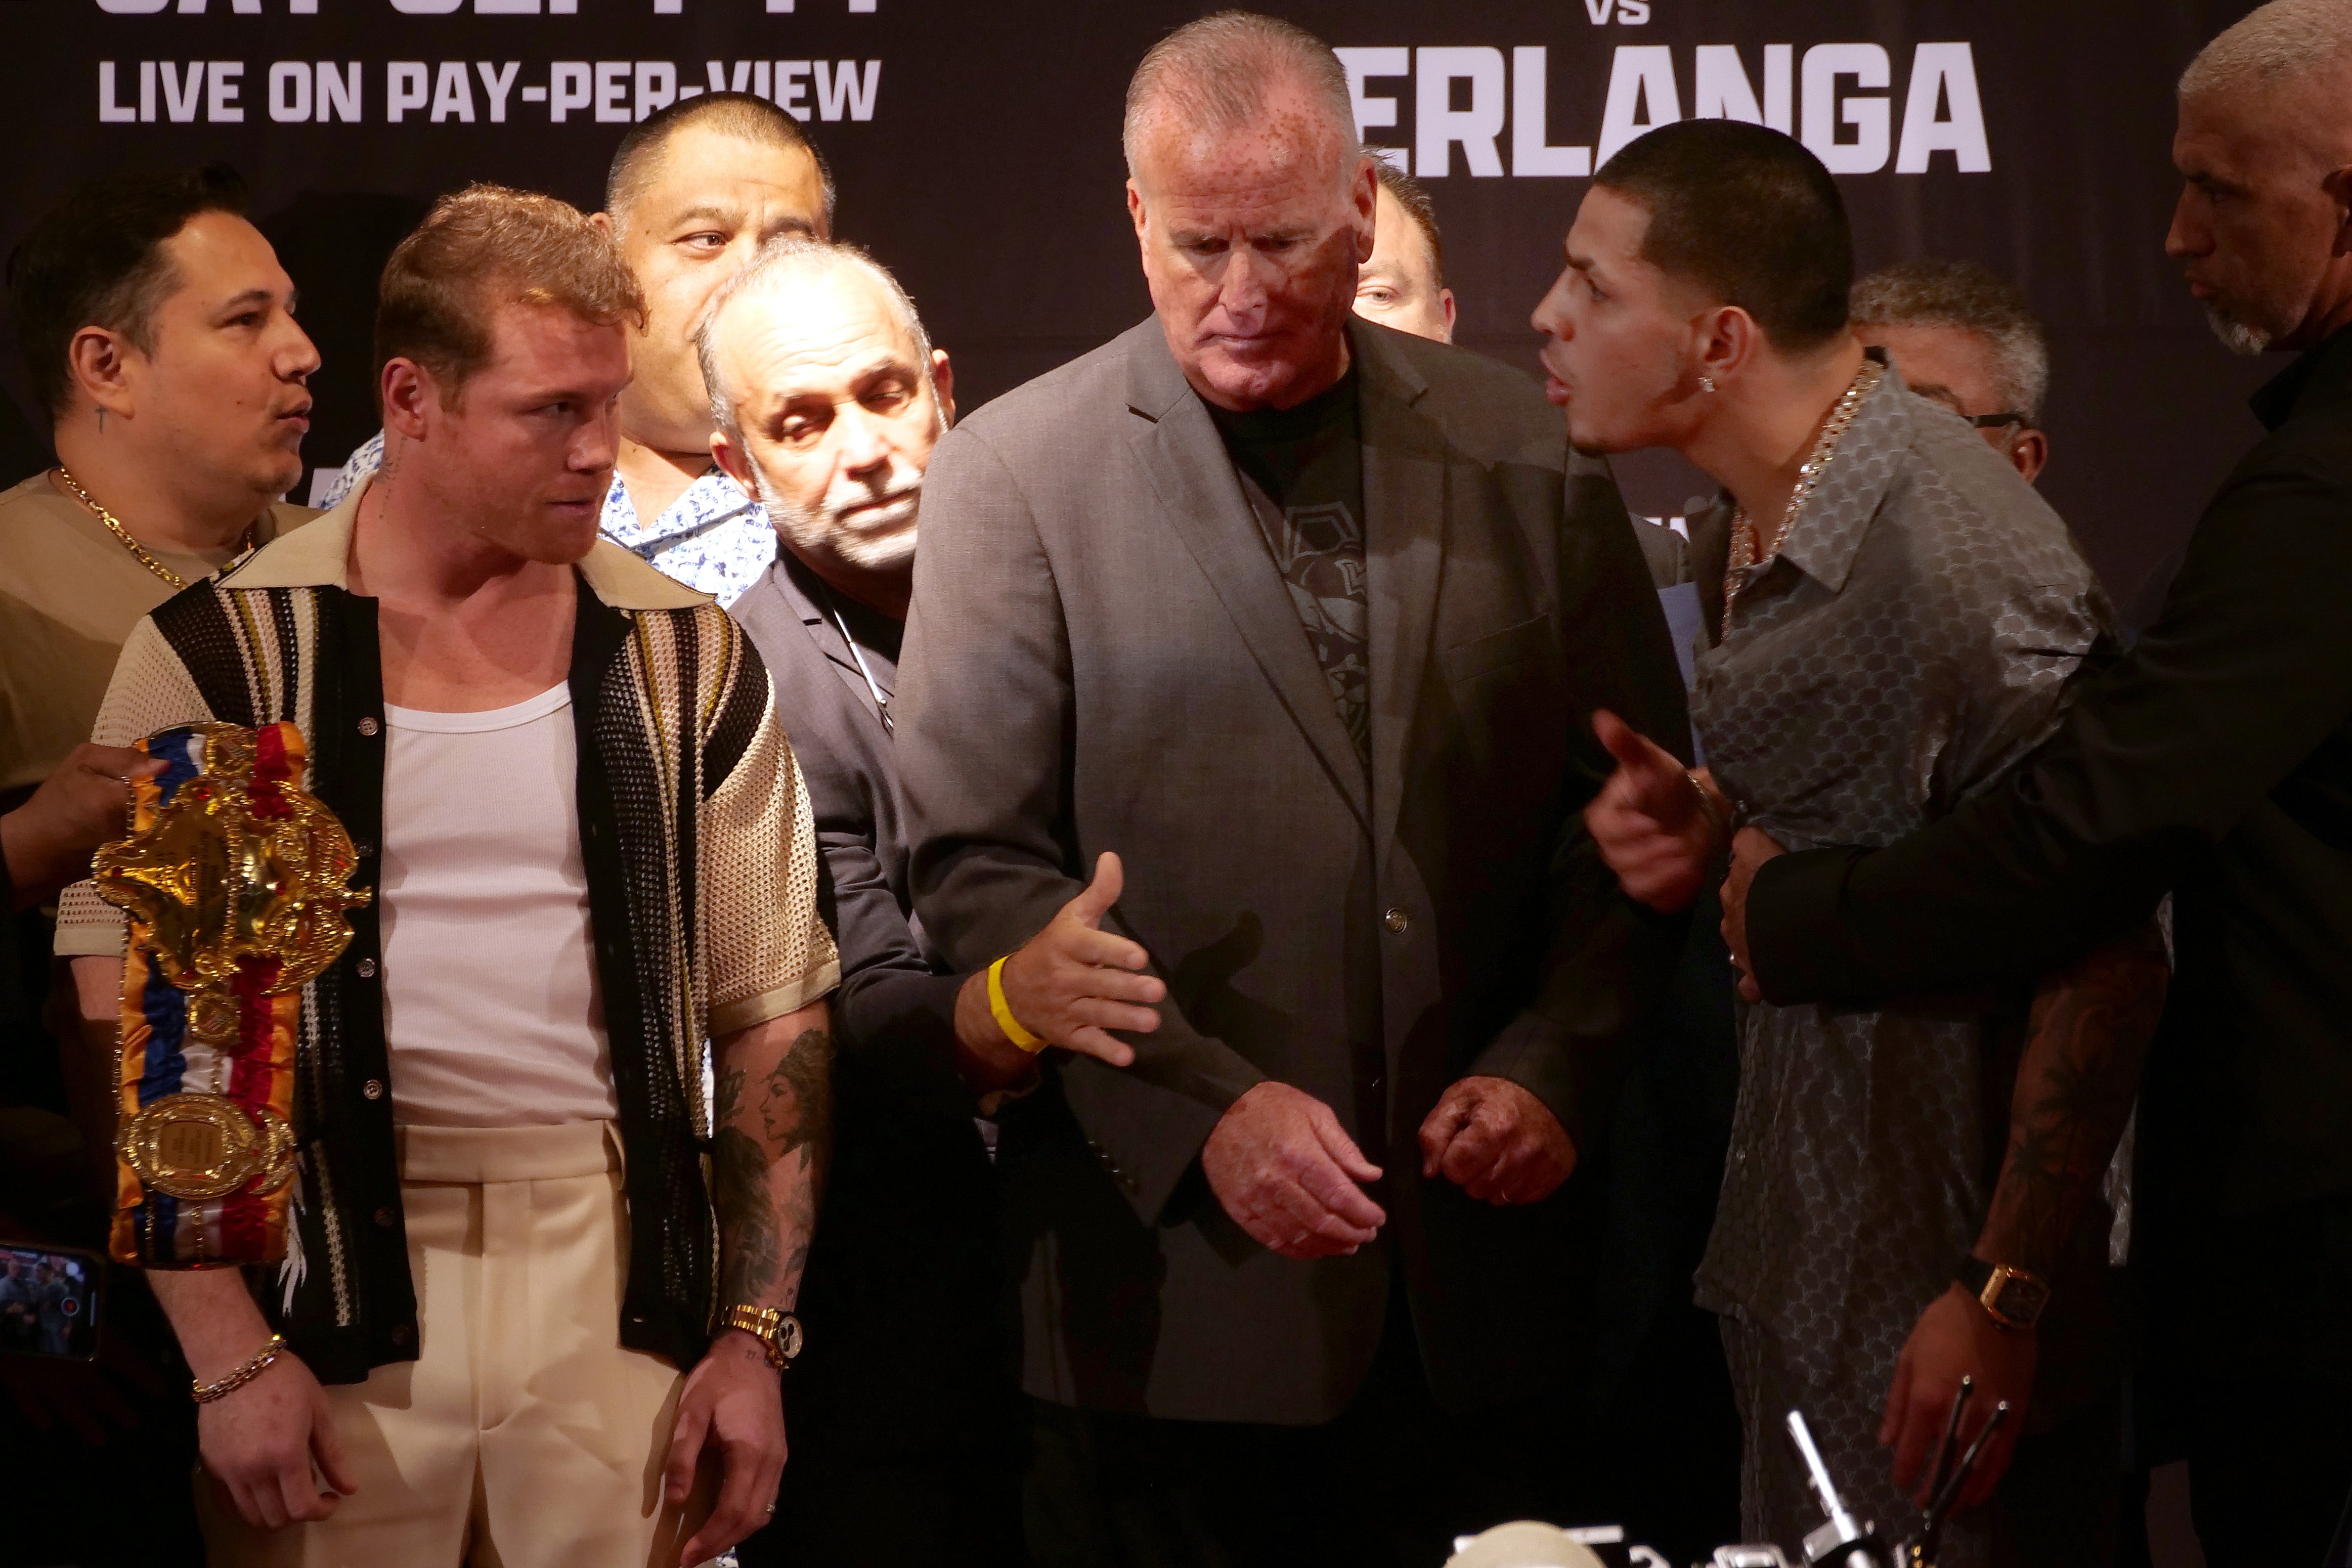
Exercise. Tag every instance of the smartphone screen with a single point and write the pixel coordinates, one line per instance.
(49, 1301)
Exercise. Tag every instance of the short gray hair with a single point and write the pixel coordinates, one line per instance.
(2273, 45)
(1964, 295)
(1214, 74)
(784, 260)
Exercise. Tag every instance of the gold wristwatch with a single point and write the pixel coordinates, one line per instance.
(2013, 1298)
(778, 1332)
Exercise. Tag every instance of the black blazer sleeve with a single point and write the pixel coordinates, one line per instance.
(2165, 750)
(1606, 959)
(892, 1012)
(892, 1016)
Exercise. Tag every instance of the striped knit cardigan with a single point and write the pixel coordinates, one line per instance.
(703, 894)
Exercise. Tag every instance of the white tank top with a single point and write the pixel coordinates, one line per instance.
(491, 1010)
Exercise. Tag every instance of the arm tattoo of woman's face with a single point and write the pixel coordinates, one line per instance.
(768, 1158)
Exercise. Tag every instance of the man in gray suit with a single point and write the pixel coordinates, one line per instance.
(1305, 618)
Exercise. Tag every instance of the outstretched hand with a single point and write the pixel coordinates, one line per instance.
(1070, 985)
(1073, 982)
(1653, 821)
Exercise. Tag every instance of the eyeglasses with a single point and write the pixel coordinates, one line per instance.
(1993, 421)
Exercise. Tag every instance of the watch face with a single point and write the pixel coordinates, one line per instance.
(2021, 1299)
(788, 1337)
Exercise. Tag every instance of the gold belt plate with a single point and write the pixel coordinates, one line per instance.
(199, 1146)
(211, 883)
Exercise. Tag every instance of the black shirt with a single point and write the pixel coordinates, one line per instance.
(1304, 470)
(906, 1351)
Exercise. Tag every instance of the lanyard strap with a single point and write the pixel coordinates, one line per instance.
(881, 698)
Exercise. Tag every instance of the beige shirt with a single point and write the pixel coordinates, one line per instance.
(70, 595)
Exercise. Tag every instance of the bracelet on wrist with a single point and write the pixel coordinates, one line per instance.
(256, 1363)
(1712, 806)
(1002, 1010)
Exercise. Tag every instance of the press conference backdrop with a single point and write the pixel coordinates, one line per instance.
(976, 144)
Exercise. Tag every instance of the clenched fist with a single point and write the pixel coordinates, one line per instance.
(1497, 1142)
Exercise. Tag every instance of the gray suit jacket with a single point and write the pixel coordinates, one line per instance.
(1102, 656)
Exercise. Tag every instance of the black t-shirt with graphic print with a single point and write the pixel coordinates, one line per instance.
(1305, 467)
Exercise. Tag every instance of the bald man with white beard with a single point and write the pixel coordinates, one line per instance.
(829, 399)
(2214, 761)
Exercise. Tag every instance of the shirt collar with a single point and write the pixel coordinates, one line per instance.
(1829, 530)
(805, 595)
(791, 582)
(2319, 374)
(318, 555)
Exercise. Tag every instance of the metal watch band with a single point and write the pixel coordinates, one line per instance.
(778, 1332)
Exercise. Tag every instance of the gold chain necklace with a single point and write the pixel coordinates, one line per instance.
(1747, 549)
(114, 526)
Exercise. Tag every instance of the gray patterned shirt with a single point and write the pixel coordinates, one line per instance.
(1911, 642)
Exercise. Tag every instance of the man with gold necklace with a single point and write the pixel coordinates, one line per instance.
(1890, 619)
(159, 329)
(158, 334)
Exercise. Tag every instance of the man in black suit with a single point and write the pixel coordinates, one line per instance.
(1305, 620)
(2216, 761)
(828, 398)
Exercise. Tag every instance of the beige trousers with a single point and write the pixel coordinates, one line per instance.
(523, 1436)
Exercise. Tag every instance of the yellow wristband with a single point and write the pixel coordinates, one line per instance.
(1003, 1011)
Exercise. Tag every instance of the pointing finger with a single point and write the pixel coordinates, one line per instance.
(1620, 739)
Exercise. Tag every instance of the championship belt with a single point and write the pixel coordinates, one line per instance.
(236, 884)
